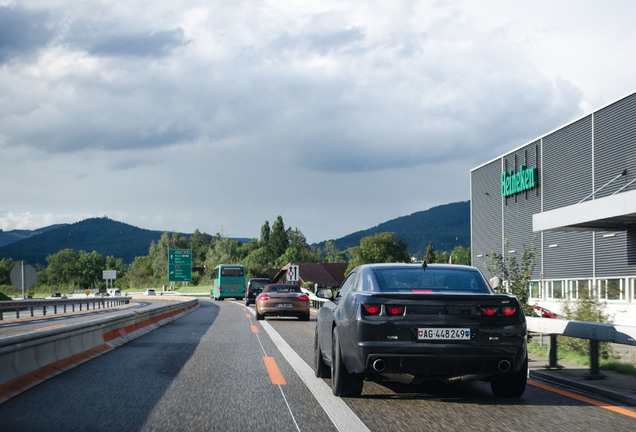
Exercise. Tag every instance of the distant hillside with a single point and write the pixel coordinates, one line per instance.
(8, 237)
(106, 236)
(447, 226)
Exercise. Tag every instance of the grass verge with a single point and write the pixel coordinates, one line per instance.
(580, 359)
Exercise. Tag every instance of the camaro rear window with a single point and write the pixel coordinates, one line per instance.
(430, 281)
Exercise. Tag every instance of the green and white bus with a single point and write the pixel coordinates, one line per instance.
(228, 281)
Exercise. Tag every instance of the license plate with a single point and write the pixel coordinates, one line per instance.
(443, 334)
(284, 305)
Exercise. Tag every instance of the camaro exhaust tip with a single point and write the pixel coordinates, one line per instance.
(379, 365)
(503, 366)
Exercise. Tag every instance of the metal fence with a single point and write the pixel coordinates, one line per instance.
(63, 305)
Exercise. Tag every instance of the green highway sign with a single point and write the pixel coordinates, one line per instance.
(180, 256)
(179, 265)
(179, 273)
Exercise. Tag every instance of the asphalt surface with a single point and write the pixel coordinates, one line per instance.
(207, 371)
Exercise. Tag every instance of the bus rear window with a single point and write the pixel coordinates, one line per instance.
(232, 271)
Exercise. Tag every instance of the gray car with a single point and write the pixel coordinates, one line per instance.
(418, 321)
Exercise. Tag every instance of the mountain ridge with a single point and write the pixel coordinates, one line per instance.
(446, 226)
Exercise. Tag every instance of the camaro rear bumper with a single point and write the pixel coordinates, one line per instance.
(437, 359)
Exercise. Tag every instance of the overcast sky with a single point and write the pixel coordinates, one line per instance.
(337, 115)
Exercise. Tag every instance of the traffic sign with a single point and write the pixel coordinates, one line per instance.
(180, 265)
(23, 276)
(292, 273)
(180, 256)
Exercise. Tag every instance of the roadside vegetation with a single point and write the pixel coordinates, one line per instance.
(69, 271)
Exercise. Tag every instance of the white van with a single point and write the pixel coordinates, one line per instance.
(115, 292)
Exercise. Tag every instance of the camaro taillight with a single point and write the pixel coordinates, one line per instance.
(394, 310)
(509, 310)
(263, 297)
(304, 297)
(371, 309)
(488, 310)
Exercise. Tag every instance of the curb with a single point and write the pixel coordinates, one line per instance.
(579, 385)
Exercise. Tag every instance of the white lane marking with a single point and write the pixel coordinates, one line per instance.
(342, 417)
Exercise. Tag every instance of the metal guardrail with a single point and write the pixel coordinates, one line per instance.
(594, 332)
(30, 305)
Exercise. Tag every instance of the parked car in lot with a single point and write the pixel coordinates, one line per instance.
(543, 312)
(150, 292)
(282, 300)
(420, 321)
(254, 288)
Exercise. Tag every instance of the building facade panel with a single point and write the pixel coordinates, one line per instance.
(567, 165)
(486, 201)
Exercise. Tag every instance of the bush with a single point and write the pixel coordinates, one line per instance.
(590, 310)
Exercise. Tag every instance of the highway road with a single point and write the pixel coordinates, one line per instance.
(218, 368)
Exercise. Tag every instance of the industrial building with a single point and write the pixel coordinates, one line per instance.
(572, 194)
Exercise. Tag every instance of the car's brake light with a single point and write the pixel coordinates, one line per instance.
(304, 297)
(263, 297)
(371, 309)
(509, 310)
(394, 310)
(488, 310)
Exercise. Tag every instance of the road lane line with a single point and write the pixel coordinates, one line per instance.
(254, 329)
(50, 327)
(340, 414)
(274, 373)
(591, 401)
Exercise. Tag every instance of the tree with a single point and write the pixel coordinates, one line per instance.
(461, 255)
(516, 275)
(379, 248)
(62, 268)
(140, 272)
(430, 256)
(278, 239)
(199, 243)
(332, 254)
(90, 266)
(6, 264)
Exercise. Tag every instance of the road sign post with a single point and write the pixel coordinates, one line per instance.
(23, 276)
(180, 265)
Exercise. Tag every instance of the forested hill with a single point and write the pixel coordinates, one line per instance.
(106, 236)
(447, 226)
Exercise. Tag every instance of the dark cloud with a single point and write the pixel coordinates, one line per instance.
(139, 45)
(22, 32)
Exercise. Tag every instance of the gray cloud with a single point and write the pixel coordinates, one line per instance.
(22, 32)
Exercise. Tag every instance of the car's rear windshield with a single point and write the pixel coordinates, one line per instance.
(430, 281)
(282, 288)
(258, 284)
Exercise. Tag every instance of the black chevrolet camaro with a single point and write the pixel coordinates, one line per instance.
(420, 321)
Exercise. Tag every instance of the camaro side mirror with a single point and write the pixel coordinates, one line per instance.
(325, 293)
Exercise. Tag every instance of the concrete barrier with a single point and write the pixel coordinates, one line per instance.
(28, 359)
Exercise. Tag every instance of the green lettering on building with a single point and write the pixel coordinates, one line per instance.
(513, 183)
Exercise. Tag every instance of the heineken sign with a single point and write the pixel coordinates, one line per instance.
(513, 183)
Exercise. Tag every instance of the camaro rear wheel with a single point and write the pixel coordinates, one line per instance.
(511, 384)
(343, 383)
(320, 367)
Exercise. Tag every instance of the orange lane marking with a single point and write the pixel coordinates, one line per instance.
(274, 372)
(50, 327)
(254, 329)
(248, 315)
(614, 408)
